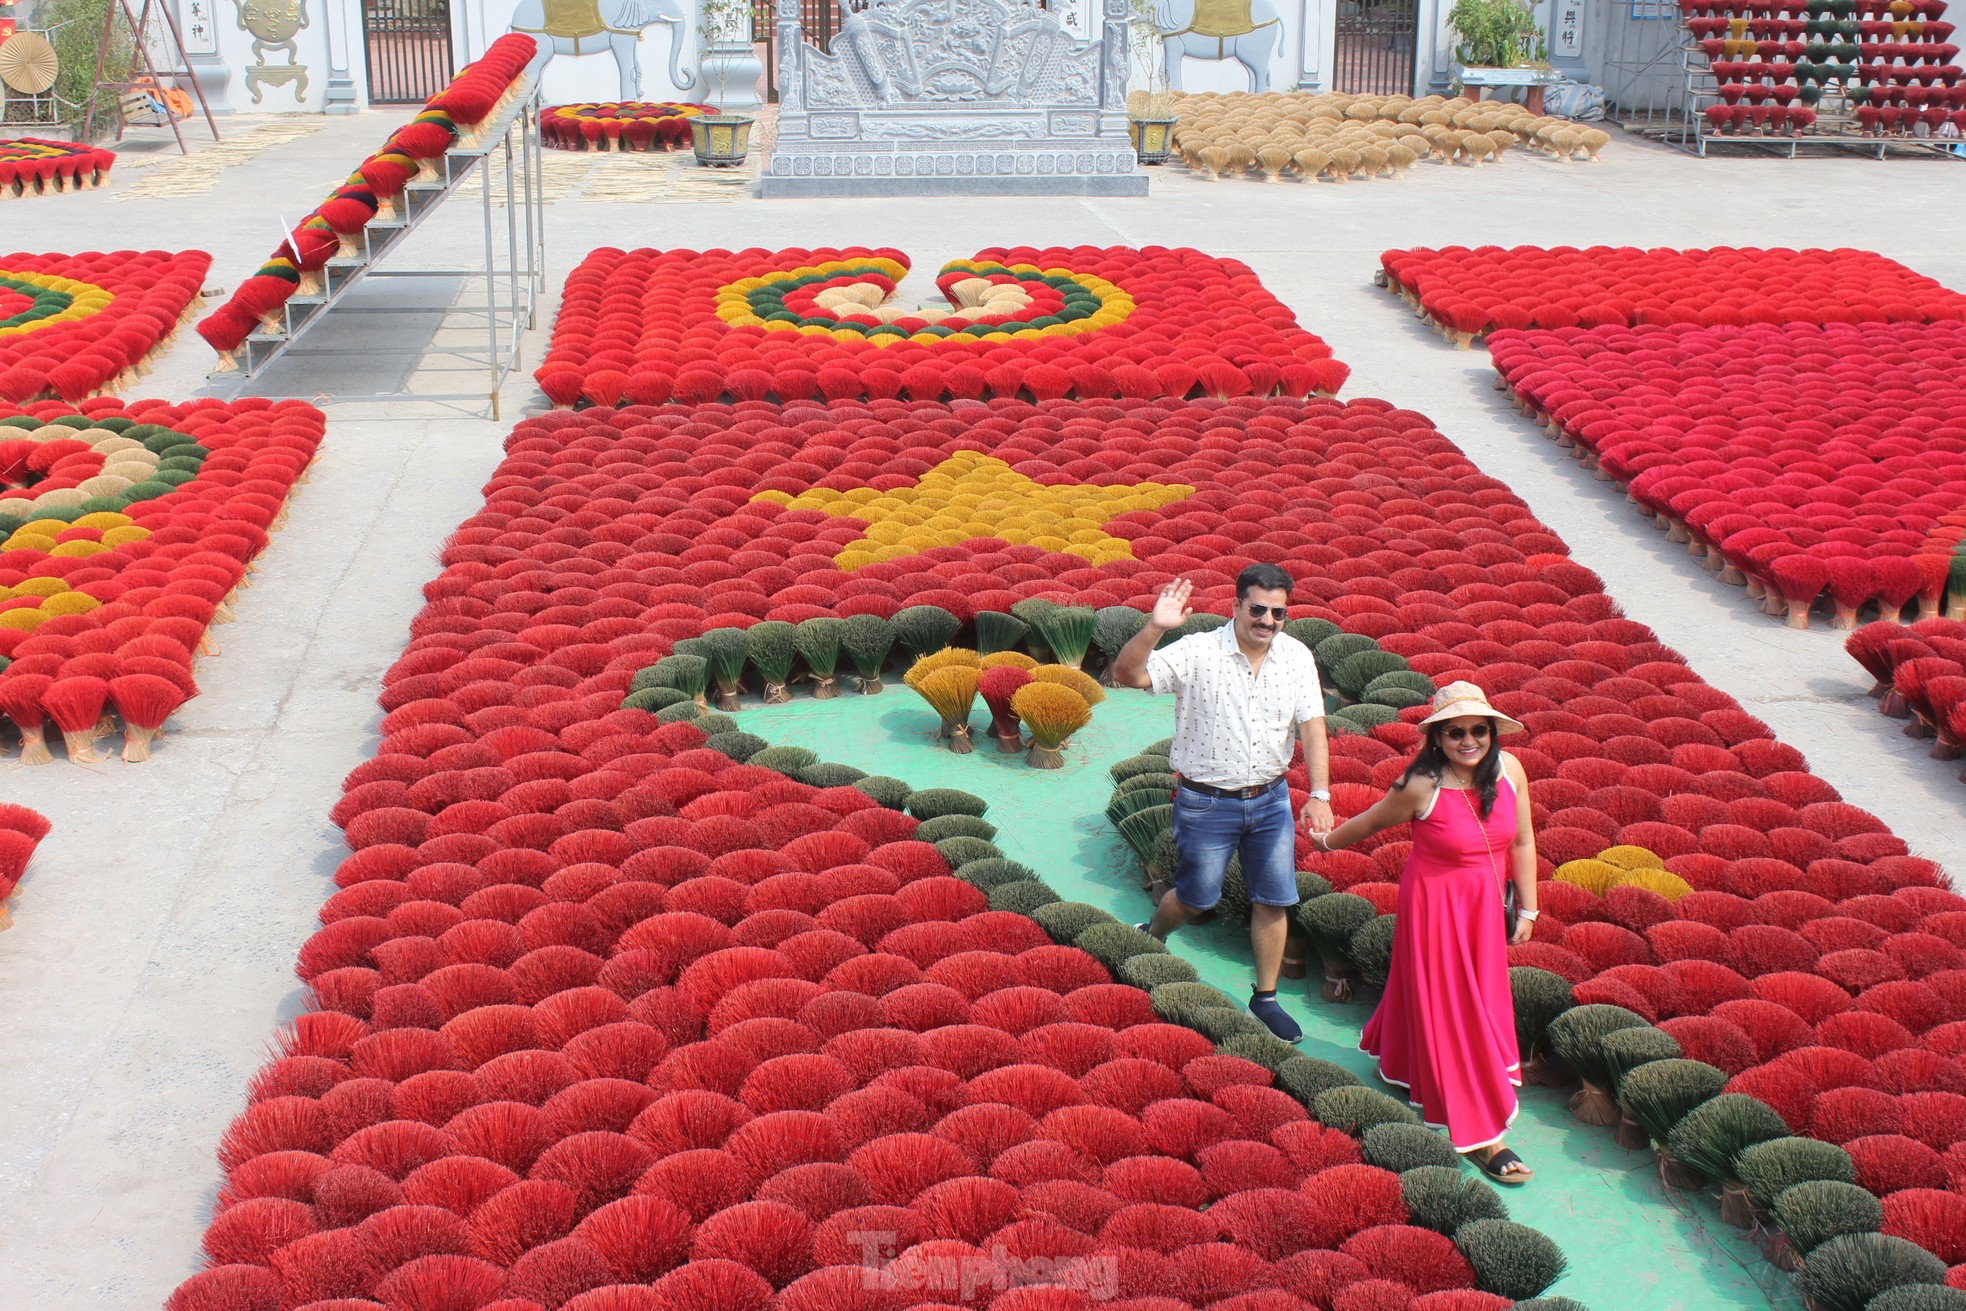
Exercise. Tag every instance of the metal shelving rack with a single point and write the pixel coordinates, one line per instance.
(510, 147)
(1835, 127)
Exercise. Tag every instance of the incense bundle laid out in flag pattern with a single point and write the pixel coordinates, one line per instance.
(124, 529)
(30, 166)
(455, 118)
(620, 1006)
(72, 326)
(650, 326)
(620, 125)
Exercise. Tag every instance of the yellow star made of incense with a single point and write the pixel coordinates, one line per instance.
(972, 495)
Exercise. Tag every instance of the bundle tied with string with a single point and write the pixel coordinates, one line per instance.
(348, 212)
(75, 704)
(387, 172)
(264, 295)
(818, 643)
(144, 702)
(1052, 713)
(310, 246)
(425, 139)
(20, 701)
(951, 692)
(999, 685)
(21, 831)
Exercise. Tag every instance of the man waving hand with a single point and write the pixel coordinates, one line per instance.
(1240, 693)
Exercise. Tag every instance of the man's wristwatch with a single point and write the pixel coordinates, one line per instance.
(1321, 794)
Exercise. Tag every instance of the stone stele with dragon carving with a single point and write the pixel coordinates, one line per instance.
(952, 97)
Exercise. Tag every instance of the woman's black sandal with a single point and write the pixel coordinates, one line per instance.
(1497, 1162)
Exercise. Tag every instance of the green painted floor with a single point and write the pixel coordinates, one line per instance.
(1632, 1245)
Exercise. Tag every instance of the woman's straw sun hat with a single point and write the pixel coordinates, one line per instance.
(1458, 699)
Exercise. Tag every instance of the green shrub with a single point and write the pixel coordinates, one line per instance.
(1918, 1297)
(1403, 1147)
(1150, 971)
(1021, 897)
(1510, 1259)
(1112, 944)
(955, 826)
(653, 699)
(961, 851)
(1443, 1197)
(774, 645)
(1540, 997)
(726, 650)
(828, 775)
(1311, 886)
(924, 629)
(712, 722)
(1712, 1134)
(1356, 1109)
(1335, 650)
(1124, 804)
(1627, 1049)
(1331, 920)
(988, 874)
(1065, 920)
(818, 643)
(1846, 1272)
(786, 760)
(1067, 630)
(866, 640)
(890, 792)
(1266, 1049)
(1219, 1026)
(1127, 768)
(932, 803)
(1160, 784)
(1396, 698)
(1410, 680)
(997, 631)
(738, 746)
(1355, 672)
(1813, 1213)
(1113, 626)
(1575, 1035)
(1306, 1077)
(1371, 949)
(689, 674)
(1658, 1094)
(1311, 631)
(1769, 1169)
(1177, 1003)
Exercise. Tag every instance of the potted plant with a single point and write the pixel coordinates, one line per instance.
(723, 31)
(1150, 113)
(1496, 34)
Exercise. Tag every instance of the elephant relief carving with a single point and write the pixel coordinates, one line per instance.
(588, 27)
(1247, 31)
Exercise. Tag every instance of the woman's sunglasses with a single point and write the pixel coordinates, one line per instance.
(1479, 733)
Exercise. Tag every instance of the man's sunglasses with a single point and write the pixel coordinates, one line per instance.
(1258, 611)
(1479, 733)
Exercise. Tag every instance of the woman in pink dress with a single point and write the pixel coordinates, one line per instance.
(1445, 1028)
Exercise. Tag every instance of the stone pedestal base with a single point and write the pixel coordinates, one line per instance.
(773, 186)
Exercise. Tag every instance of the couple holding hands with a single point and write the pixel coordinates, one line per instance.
(1444, 1030)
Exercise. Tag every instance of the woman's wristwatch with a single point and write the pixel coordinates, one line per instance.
(1530, 915)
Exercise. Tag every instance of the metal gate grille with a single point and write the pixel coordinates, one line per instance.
(408, 47)
(1377, 41)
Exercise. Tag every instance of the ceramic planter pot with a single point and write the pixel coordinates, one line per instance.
(721, 140)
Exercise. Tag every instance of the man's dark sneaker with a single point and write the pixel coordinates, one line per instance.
(1265, 1007)
(1145, 927)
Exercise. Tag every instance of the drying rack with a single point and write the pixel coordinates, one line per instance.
(508, 165)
